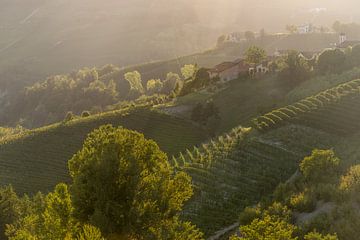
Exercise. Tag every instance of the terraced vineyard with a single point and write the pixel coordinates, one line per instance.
(237, 170)
(37, 160)
(325, 110)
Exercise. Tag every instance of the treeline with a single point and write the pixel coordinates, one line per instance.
(308, 105)
(319, 202)
(138, 196)
(90, 90)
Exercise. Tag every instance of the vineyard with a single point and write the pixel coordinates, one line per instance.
(37, 160)
(335, 110)
(234, 171)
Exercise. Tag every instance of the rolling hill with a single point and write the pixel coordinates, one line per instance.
(37, 160)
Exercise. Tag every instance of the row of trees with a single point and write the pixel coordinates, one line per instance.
(123, 187)
(87, 89)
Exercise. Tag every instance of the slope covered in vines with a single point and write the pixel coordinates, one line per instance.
(334, 110)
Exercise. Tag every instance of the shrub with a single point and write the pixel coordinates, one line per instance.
(321, 166)
(85, 114)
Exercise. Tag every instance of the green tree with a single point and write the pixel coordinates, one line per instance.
(331, 61)
(321, 166)
(293, 69)
(188, 71)
(317, 236)
(123, 184)
(350, 182)
(269, 227)
(172, 79)
(154, 86)
(134, 79)
(10, 208)
(89, 232)
(255, 55)
(69, 116)
(48, 220)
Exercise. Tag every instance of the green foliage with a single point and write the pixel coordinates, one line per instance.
(69, 116)
(10, 208)
(136, 87)
(304, 201)
(89, 232)
(321, 166)
(249, 214)
(171, 82)
(48, 101)
(51, 221)
(268, 227)
(294, 69)
(123, 184)
(188, 71)
(317, 236)
(85, 114)
(154, 86)
(331, 61)
(200, 79)
(255, 55)
(8, 132)
(350, 183)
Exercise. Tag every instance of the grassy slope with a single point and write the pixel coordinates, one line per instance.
(38, 160)
(238, 102)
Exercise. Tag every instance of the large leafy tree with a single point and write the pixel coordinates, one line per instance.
(188, 71)
(123, 184)
(331, 61)
(293, 69)
(266, 228)
(136, 87)
(320, 166)
(255, 55)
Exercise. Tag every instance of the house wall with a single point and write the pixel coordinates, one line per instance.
(229, 74)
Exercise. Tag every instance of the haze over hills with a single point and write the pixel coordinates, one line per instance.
(42, 37)
(179, 119)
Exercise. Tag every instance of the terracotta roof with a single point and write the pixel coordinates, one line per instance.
(223, 66)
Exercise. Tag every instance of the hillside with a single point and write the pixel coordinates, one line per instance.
(37, 160)
(245, 168)
(231, 172)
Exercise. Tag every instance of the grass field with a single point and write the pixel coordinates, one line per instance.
(37, 160)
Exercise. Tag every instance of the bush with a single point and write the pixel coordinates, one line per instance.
(303, 202)
(85, 114)
(249, 214)
(69, 116)
(321, 166)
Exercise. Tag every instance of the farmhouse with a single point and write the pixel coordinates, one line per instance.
(227, 71)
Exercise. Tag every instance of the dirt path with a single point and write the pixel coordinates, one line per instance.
(224, 231)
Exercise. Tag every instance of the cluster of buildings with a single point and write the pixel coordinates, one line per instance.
(228, 71)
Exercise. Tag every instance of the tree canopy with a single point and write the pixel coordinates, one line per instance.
(123, 184)
(255, 55)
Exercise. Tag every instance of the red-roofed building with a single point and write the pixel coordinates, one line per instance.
(227, 71)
